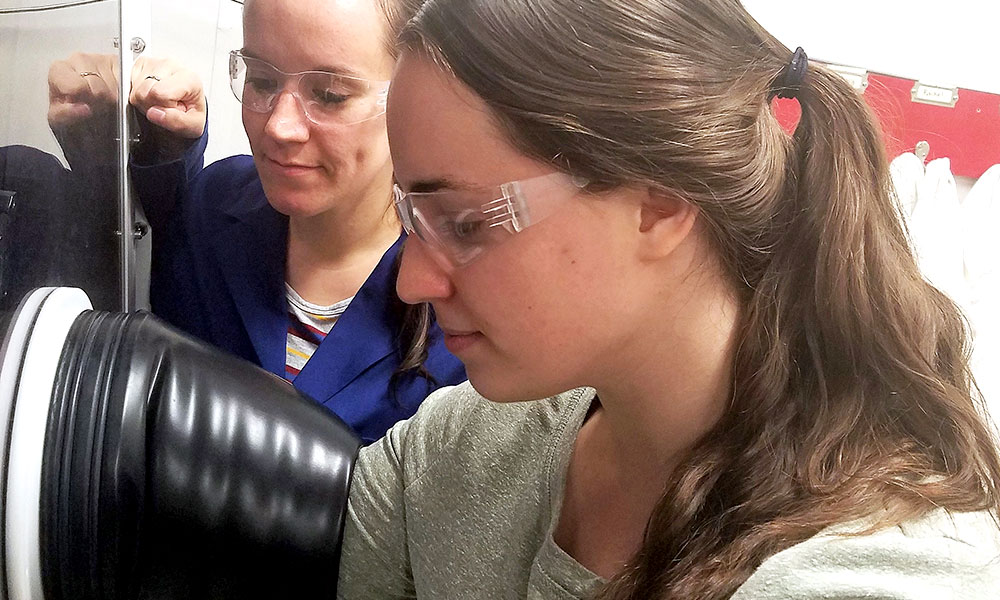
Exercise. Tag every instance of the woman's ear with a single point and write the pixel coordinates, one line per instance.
(666, 220)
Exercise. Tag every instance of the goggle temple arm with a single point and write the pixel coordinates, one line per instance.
(508, 210)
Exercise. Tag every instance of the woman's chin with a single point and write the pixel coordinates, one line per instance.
(296, 203)
(502, 389)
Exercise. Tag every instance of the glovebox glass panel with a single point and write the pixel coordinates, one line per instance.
(59, 149)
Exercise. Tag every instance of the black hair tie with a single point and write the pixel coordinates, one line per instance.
(790, 81)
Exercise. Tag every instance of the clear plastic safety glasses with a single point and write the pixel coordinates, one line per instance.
(325, 98)
(460, 225)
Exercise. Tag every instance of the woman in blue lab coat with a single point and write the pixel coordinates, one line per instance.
(262, 255)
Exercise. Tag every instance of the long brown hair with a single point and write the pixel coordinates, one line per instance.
(415, 319)
(852, 394)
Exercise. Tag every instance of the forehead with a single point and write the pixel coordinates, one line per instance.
(298, 35)
(440, 130)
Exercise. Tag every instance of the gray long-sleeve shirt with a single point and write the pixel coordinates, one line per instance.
(459, 502)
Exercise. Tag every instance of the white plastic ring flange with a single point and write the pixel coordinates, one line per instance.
(58, 309)
(11, 356)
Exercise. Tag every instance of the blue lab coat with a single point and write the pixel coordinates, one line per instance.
(219, 271)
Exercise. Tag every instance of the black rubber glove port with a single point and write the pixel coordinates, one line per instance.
(172, 471)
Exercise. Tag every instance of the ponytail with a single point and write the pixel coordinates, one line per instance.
(852, 391)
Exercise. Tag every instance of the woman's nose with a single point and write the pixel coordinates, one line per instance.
(287, 121)
(421, 277)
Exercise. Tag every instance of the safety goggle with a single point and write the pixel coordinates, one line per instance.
(325, 98)
(460, 225)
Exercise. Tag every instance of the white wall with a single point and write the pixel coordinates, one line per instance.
(949, 43)
(199, 34)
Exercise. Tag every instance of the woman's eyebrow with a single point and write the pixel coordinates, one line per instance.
(336, 70)
(441, 183)
(339, 70)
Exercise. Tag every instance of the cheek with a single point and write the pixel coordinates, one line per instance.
(373, 144)
(566, 289)
(527, 287)
(363, 147)
(253, 124)
(573, 266)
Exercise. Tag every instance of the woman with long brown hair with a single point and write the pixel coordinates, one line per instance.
(767, 399)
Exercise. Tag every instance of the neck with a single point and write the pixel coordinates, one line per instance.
(331, 254)
(663, 384)
(333, 237)
(655, 405)
(656, 411)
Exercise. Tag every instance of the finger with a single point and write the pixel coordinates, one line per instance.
(99, 73)
(139, 95)
(146, 66)
(170, 96)
(141, 68)
(189, 80)
(175, 90)
(180, 121)
(137, 66)
(105, 65)
(66, 82)
(143, 77)
(102, 88)
(109, 70)
(181, 91)
(116, 71)
(147, 75)
(62, 114)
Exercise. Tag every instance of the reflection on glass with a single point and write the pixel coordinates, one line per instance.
(59, 174)
(26, 6)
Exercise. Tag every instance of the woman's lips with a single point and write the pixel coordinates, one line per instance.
(290, 169)
(458, 342)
